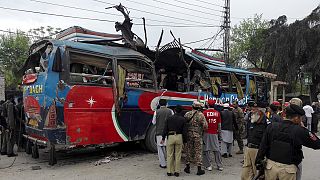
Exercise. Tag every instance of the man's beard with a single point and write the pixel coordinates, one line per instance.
(255, 117)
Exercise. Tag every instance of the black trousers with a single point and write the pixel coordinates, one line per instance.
(314, 123)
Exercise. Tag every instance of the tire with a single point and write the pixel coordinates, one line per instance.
(150, 139)
(52, 155)
(29, 147)
(35, 151)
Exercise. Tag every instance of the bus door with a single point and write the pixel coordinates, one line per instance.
(34, 85)
(89, 105)
(136, 89)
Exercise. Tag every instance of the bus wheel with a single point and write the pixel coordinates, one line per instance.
(150, 139)
(52, 155)
(35, 151)
(29, 147)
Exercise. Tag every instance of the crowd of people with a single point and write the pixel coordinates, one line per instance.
(273, 136)
(11, 126)
(270, 137)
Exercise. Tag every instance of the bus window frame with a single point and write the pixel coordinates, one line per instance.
(228, 90)
(65, 75)
(152, 71)
(244, 89)
(264, 82)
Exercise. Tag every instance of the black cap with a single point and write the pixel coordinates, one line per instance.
(293, 109)
(251, 103)
(163, 102)
(178, 108)
(273, 107)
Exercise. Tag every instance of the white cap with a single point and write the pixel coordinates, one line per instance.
(197, 104)
(226, 105)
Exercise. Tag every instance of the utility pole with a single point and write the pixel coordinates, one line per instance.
(226, 27)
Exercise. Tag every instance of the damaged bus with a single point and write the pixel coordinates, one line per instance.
(79, 94)
(90, 93)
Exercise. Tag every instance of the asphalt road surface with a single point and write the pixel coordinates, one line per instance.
(132, 163)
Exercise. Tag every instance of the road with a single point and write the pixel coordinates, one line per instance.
(136, 164)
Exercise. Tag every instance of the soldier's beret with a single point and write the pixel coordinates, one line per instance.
(293, 109)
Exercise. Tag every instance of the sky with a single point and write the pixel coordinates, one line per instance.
(174, 13)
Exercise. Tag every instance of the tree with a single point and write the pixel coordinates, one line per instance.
(246, 42)
(290, 50)
(40, 33)
(13, 52)
(14, 47)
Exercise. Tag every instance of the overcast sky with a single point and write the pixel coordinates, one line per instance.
(193, 15)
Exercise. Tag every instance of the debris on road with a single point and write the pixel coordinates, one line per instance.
(112, 157)
(35, 167)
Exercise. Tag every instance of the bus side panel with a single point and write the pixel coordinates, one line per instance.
(90, 116)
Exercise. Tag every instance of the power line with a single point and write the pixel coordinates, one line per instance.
(153, 13)
(213, 4)
(186, 8)
(211, 39)
(52, 14)
(215, 37)
(165, 25)
(73, 7)
(244, 18)
(103, 20)
(101, 12)
(171, 10)
(192, 42)
(196, 5)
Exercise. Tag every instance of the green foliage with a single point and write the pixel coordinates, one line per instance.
(295, 48)
(40, 33)
(13, 52)
(14, 49)
(247, 41)
(277, 47)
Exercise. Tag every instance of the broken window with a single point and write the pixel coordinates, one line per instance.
(252, 91)
(90, 69)
(139, 74)
(38, 61)
(261, 88)
(221, 80)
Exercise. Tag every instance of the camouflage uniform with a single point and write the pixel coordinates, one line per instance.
(239, 134)
(194, 145)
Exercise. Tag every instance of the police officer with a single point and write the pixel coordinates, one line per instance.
(274, 116)
(3, 127)
(282, 145)
(238, 134)
(173, 130)
(257, 125)
(196, 123)
(11, 130)
(20, 124)
(4, 135)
